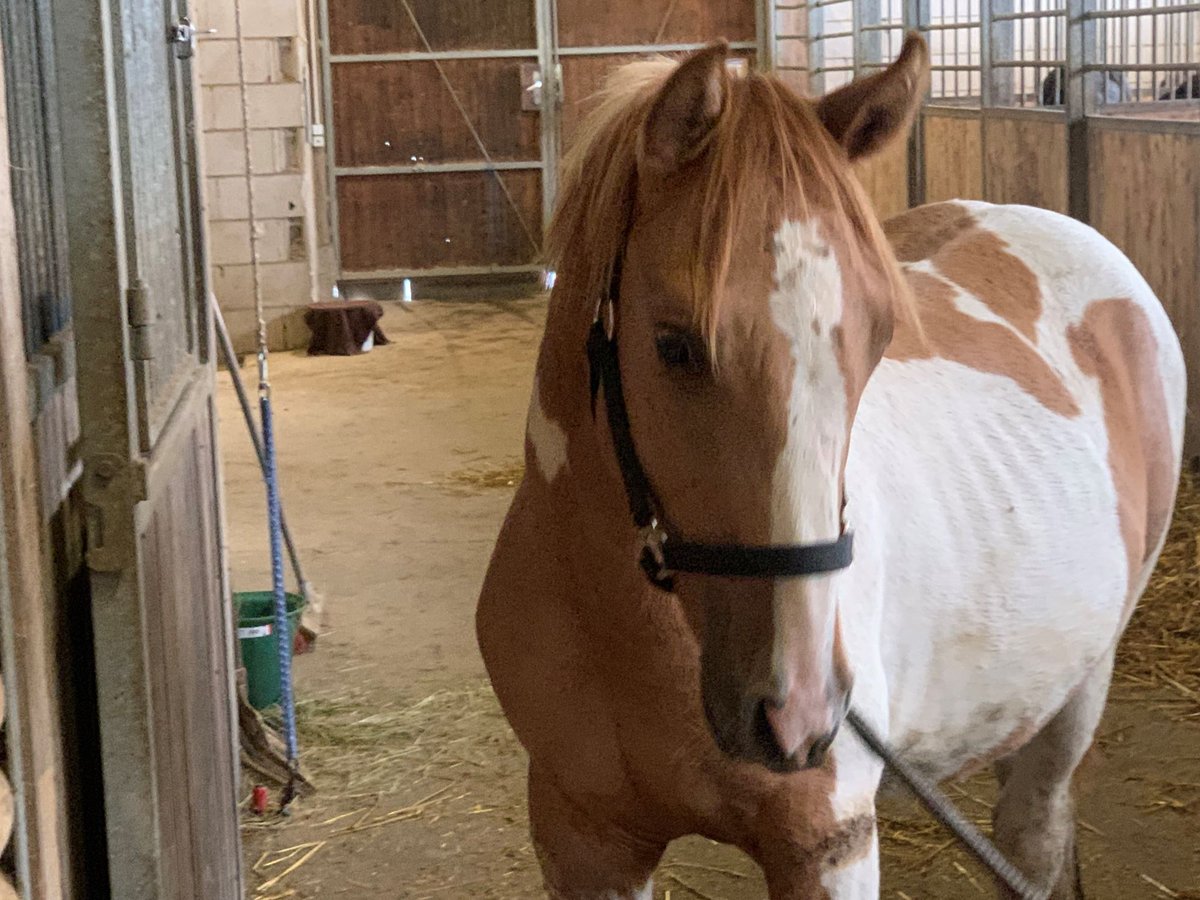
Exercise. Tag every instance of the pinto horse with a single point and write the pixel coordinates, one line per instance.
(989, 397)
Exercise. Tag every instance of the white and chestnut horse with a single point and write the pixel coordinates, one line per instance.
(989, 397)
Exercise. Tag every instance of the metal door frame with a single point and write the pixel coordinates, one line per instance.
(118, 470)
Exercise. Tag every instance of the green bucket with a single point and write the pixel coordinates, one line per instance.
(260, 652)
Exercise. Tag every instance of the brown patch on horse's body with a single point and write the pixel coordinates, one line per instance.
(1114, 343)
(919, 233)
(978, 261)
(975, 259)
(989, 347)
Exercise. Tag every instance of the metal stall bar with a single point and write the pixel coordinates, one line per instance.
(1143, 11)
(445, 272)
(331, 200)
(1081, 53)
(614, 49)
(424, 168)
(430, 55)
(764, 26)
(1026, 16)
(816, 47)
(915, 17)
(550, 76)
(998, 87)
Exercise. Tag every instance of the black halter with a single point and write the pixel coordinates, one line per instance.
(663, 555)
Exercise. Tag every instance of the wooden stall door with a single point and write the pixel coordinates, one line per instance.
(162, 626)
(437, 138)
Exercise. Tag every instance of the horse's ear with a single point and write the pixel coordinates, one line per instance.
(865, 115)
(685, 111)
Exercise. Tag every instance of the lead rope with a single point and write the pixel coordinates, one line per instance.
(283, 633)
(944, 811)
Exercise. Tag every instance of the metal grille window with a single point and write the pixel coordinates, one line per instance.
(881, 32)
(848, 38)
(954, 32)
(1148, 50)
(1028, 53)
(832, 26)
(791, 43)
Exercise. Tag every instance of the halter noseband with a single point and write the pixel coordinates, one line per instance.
(663, 555)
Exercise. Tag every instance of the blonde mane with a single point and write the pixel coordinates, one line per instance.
(768, 143)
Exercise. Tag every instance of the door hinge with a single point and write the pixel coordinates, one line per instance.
(141, 321)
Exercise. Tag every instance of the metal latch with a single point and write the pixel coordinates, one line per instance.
(113, 485)
(531, 87)
(183, 35)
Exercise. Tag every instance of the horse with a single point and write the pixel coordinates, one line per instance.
(1185, 89)
(1115, 88)
(739, 357)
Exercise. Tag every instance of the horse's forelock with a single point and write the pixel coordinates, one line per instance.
(769, 152)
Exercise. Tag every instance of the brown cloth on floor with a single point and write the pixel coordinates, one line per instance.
(341, 328)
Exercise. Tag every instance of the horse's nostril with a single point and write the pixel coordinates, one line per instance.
(819, 749)
(764, 734)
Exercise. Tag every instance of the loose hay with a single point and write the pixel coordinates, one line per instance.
(1161, 646)
(506, 475)
(449, 754)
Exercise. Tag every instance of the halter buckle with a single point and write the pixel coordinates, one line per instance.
(652, 558)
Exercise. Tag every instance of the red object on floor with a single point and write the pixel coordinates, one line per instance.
(258, 801)
(342, 328)
(300, 643)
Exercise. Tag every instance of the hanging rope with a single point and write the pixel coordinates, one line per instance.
(283, 633)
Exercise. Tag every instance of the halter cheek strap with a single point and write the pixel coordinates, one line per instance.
(663, 555)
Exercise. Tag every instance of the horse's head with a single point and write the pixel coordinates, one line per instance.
(756, 296)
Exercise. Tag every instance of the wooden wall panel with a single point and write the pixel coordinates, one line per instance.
(953, 157)
(388, 113)
(584, 76)
(444, 219)
(1145, 198)
(592, 23)
(383, 26)
(885, 179)
(189, 680)
(1025, 161)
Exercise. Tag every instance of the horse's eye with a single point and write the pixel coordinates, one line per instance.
(680, 350)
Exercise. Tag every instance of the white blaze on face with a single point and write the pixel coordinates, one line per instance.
(806, 306)
(547, 437)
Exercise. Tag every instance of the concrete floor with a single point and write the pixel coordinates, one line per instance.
(378, 455)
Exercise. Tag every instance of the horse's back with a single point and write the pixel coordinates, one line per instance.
(1023, 443)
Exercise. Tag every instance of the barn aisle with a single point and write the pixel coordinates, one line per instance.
(397, 469)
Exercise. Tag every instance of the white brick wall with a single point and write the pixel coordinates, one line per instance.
(275, 67)
(217, 61)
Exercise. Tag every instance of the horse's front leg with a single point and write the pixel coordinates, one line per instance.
(589, 851)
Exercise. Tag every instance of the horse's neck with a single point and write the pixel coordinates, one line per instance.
(584, 499)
